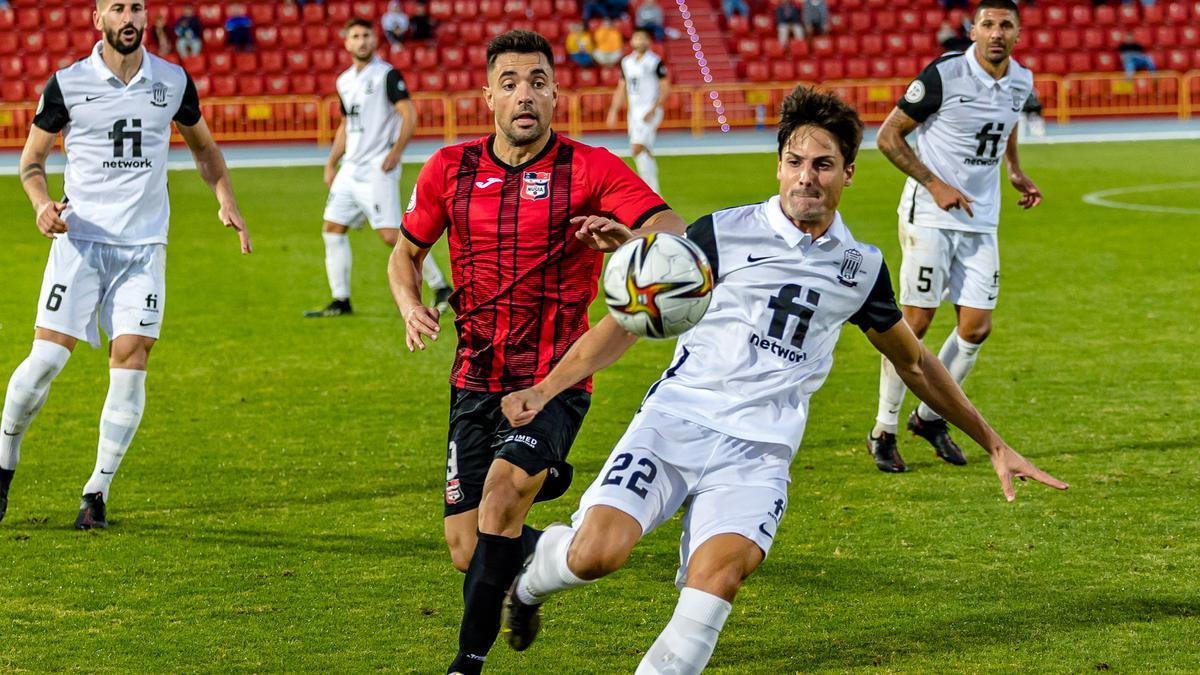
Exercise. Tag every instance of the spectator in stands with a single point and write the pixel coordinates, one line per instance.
(188, 30)
(239, 29)
(815, 17)
(731, 7)
(394, 23)
(1134, 56)
(419, 25)
(609, 44)
(4, 6)
(162, 34)
(649, 16)
(580, 45)
(787, 21)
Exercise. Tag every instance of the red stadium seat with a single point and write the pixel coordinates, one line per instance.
(211, 13)
(287, 14)
(494, 28)
(906, 66)
(1069, 38)
(81, 42)
(432, 81)
(822, 46)
(245, 62)
(303, 83)
(54, 17)
(77, 17)
(327, 83)
(278, 85)
(885, 20)
(458, 80)
(807, 71)
(195, 64)
(477, 55)
(8, 19)
(610, 76)
(1079, 62)
(587, 78)
(1056, 64)
(1127, 15)
(1043, 39)
(312, 13)
(1093, 38)
(298, 61)
(1177, 13)
(1104, 15)
(757, 71)
(491, 9)
(860, 22)
(773, 49)
(783, 71)
(367, 10)
(542, 9)
(1081, 15)
(882, 68)
(320, 34)
(1166, 36)
(845, 45)
(11, 68)
(466, 9)
(425, 57)
(250, 85)
(856, 68)
(441, 10)
(1056, 15)
(58, 42)
(832, 69)
(224, 85)
(13, 91)
(453, 56)
(1033, 62)
(566, 8)
(1189, 36)
(213, 39)
(739, 25)
(1144, 35)
(763, 24)
(896, 44)
(291, 37)
(552, 29)
(326, 60)
(923, 44)
(749, 48)
(910, 20)
(65, 61)
(220, 63)
(1178, 59)
(932, 19)
(471, 33)
(262, 14)
(1114, 37)
(872, 44)
(338, 13)
(266, 37)
(798, 49)
(401, 59)
(1106, 62)
(564, 76)
(34, 42)
(203, 85)
(29, 19)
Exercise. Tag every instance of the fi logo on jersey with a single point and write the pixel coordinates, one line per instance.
(537, 186)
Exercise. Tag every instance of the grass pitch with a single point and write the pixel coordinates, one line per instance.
(280, 507)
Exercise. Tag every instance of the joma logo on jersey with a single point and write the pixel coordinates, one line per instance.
(537, 185)
(131, 131)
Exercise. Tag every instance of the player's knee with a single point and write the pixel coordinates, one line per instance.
(637, 149)
(460, 553)
(975, 333)
(592, 557)
(131, 354)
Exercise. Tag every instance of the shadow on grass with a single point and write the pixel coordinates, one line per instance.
(372, 545)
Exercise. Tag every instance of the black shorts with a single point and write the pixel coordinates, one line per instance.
(479, 433)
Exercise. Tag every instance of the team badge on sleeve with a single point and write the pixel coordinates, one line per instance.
(915, 92)
(537, 185)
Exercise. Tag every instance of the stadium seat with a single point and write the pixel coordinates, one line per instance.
(303, 83)
(453, 56)
(763, 24)
(856, 68)
(262, 14)
(441, 10)
(1104, 15)
(58, 42)
(1056, 64)
(213, 39)
(245, 62)
(783, 71)
(327, 83)
(298, 61)
(471, 33)
(1127, 15)
(822, 46)
(1069, 38)
(1093, 38)
(312, 13)
(203, 85)
(34, 42)
(465, 10)
(220, 63)
(906, 66)
(458, 80)
(291, 37)
(859, 22)
(1106, 62)
(749, 48)
(195, 64)
(1043, 39)
(367, 10)
(224, 85)
(1189, 36)
(266, 37)
(542, 9)
(77, 17)
(1113, 37)
(1145, 36)
(287, 14)
(211, 14)
(923, 44)
(432, 81)
(1166, 36)
(1081, 15)
(425, 58)
(54, 17)
(896, 44)
(882, 67)
(1177, 13)
(1079, 62)
(81, 42)
(909, 20)
(587, 78)
(11, 68)
(798, 49)
(28, 20)
(757, 71)
(885, 21)
(320, 34)
(1153, 14)
(1033, 62)
(64, 61)
(278, 85)
(494, 27)
(477, 55)
(1178, 59)
(327, 60)
(566, 8)
(870, 44)
(832, 69)
(610, 76)
(338, 13)
(739, 25)
(807, 71)
(552, 29)
(491, 9)
(1056, 15)
(13, 91)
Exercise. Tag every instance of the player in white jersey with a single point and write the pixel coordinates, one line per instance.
(642, 90)
(107, 267)
(965, 108)
(378, 121)
(716, 434)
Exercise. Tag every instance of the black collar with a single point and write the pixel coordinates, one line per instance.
(491, 150)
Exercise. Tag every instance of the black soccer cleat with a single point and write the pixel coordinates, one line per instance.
(441, 299)
(91, 513)
(938, 435)
(883, 450)
(521, 621)
(334, 308)
(6, 476)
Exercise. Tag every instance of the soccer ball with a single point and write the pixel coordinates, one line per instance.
(658, 286)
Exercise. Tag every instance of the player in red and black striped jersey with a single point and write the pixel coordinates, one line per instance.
(519, 208)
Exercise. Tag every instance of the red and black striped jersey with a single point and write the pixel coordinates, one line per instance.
(523, 281)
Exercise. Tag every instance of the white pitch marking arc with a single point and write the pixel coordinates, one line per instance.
(1101, 198)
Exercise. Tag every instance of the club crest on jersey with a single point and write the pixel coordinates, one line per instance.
(1019, 101)
(454, 493)
(537, 185)
(158, 95)
(851, 261)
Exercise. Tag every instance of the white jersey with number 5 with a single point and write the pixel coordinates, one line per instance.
(966, 117)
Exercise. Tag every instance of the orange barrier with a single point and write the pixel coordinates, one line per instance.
(700, 109)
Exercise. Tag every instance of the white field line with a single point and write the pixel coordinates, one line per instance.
(1101, 198)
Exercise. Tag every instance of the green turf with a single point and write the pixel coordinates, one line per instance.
(280, 508)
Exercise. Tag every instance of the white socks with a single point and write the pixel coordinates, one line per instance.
(958, 356)
(647, 168)
(891, 396)
(27, 392)
(686, 644)
(432, 274)
(118, 423)
(548, 572)
(338, 260)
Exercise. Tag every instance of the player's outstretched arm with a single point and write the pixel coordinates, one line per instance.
(925, 375)
(891, 142)
(605, 234)
(599, 348)
(408, 126)
(211, 165)
(404, 279)
(1031, 196)
(33, 179)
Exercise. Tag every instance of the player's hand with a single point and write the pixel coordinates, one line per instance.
(231, 217)
(520, 407)
(421, 322)
(611, 120)
(947, 197)
(49, 220)
(330, 174)
(1008, 465)
(1031, 196)
(390, 162)
(600, 233)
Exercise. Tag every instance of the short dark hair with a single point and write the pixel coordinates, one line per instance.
(520, 42)
(355, 22)
(806, 106)
(998, 4)
(642, 29)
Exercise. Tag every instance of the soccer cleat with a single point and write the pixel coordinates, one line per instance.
(887, 457)
(6, 476)
(441, 299)
(521, 621)
(334, 308)
(938, 436)
(91, 513)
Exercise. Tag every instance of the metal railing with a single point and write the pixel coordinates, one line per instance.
(464, 114)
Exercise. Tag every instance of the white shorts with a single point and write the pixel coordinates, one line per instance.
(724, 484)
(361, 193)
(642, 132)
(90, 286)
(955, 265)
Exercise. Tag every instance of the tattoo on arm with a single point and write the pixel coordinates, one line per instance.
(901, 154)
(34, 170)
